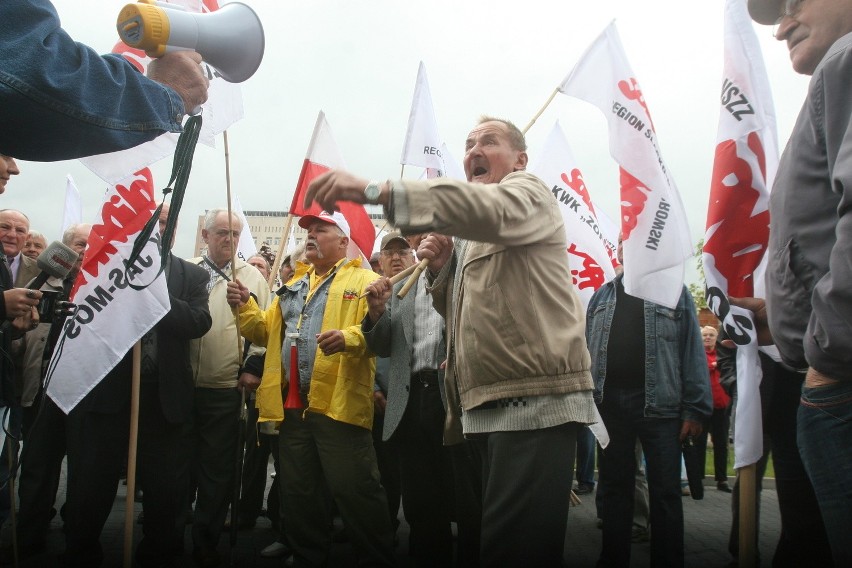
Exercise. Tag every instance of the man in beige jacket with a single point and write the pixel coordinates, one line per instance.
(517, 375)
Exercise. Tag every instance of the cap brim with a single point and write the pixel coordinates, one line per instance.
(765, 12)
(393, 240)
(306, 220)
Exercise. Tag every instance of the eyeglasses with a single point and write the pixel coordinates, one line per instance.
(791, 10)
(402, 253)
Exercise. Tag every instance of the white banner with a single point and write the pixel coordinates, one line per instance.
(246, 247)
(112, 315)
(653, 221)
(588, 256)
(72, 213)
(737, 234)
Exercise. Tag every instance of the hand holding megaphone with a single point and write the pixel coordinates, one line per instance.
(230, 39)
(181, 71)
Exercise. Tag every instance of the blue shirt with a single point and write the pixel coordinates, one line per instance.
(61, 100)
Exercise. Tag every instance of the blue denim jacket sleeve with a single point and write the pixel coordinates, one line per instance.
(61, 100)
(697, 401)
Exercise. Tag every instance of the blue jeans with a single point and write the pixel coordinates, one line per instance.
(825, 444)
(622, 411)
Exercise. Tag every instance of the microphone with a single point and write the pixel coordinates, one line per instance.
(56, 260)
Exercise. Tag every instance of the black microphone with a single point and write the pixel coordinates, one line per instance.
(56, 260)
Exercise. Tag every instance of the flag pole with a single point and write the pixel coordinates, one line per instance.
(285, 235)
(241, 423)
(538, 114)
(131, 454)
(748, 520)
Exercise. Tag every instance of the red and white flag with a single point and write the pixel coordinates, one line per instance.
(223, 108)
(738, 214)
(324, 156)
(112, 315)
(72, 213)
(588, 255)
(653, 221)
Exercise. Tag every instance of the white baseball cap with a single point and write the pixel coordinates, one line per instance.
(335, 218)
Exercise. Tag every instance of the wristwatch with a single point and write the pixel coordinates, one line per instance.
(373, 192)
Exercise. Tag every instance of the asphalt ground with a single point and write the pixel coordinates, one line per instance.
(707, 525)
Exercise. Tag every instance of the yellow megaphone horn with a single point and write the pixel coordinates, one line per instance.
(230, 39)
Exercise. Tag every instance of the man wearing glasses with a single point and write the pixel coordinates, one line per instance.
(809, 298)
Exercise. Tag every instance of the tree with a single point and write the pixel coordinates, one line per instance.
(697, 288)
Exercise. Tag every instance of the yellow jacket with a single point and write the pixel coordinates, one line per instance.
(342, 384)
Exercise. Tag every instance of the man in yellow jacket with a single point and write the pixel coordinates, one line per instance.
(327, 443)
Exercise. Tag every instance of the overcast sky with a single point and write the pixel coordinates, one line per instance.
(357, 60)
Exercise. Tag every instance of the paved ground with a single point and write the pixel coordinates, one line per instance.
(707, 523)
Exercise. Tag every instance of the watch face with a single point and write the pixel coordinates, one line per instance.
(372, 192)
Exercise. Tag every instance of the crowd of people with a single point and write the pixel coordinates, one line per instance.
(468, 398)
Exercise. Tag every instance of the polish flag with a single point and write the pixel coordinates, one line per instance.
(737, 231)
(653, 220)
(322, 157)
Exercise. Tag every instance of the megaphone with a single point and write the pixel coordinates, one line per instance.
(229, 39)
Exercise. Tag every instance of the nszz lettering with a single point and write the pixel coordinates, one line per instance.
(734, 101)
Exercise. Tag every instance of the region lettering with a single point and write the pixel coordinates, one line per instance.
(658, 225)
(432, 151)
(627, 116)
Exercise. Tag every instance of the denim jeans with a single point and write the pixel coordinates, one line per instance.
(622, 411)
(825, 444)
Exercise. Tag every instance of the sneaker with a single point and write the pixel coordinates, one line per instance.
(584, 489)
(723, 486)
(276, 550)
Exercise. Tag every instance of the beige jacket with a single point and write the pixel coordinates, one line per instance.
(515, 326)
(215, 359)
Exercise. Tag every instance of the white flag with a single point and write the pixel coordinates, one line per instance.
(653, 221)
(246, 247)
(72, 213)
(737, 232)
(588, 256)
(223, 108)
(423, 144)
(112, 315)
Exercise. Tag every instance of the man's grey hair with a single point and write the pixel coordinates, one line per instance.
(68, 235)
(33, 234)
(211, 215)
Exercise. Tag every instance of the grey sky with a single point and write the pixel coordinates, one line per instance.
(357, 60)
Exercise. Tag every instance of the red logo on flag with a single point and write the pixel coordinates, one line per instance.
(577, 183)
(123, 215)
(634, 194)
(631, 90)
(591, 275)
(740, 240)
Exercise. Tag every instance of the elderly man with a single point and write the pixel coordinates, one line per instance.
(36, 243)
(517, 376)
(327, 445)
(221, 366)
(809, 299)
(46, 438)
(411, 333)
(651, 383)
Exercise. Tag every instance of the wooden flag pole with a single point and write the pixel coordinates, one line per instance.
(538, 114)
(131, 454)
(233, 249)
(748, 518)
(285, 236)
